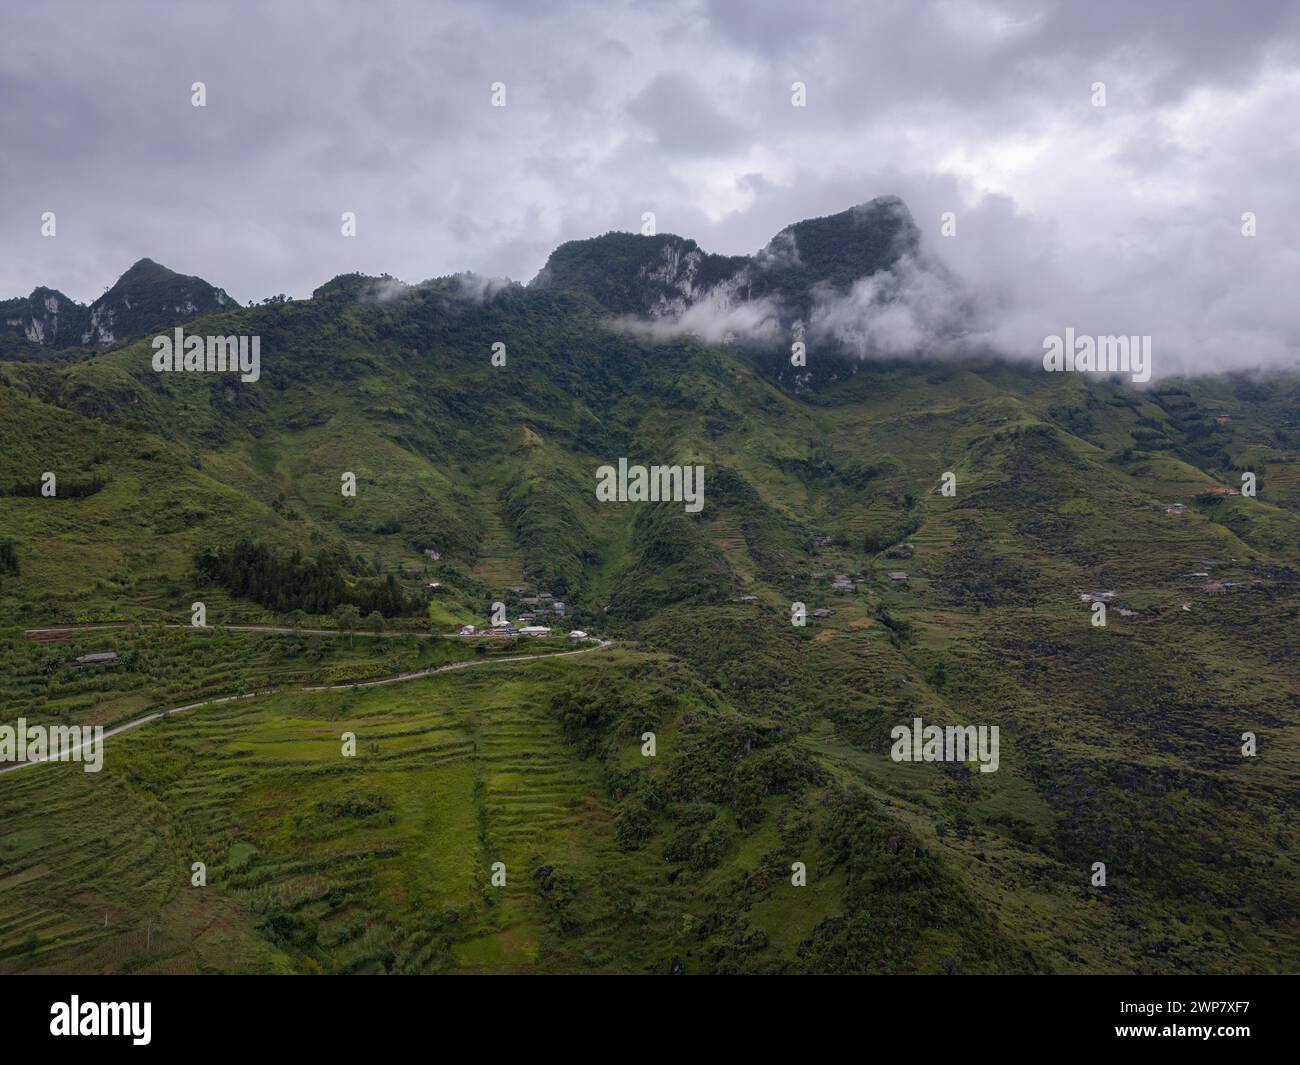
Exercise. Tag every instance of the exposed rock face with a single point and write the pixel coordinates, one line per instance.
(665, 276)
(149, 297)
(47, 317)
(146, 298)
(632, 274)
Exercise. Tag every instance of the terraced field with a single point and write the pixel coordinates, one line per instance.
(450, 775)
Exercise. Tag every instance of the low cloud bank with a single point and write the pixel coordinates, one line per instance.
(1203, 316)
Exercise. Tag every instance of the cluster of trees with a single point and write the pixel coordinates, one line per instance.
(349, 619)
(900, 629)
(316, 585)
(8, 559)
(878, 539)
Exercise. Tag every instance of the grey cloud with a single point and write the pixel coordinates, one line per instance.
(680, 114)
(1125, 218)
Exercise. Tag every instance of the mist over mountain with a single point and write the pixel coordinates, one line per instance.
(1118, 219)
(856, 281)
(861, 284)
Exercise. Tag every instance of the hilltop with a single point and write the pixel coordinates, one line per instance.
(666, 275)
(146, 298)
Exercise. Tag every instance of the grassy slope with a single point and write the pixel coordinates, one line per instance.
(1119, 744)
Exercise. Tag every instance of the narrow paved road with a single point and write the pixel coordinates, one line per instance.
(600, 646)
(57, 630)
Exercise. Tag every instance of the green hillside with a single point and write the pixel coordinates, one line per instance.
(1119, 744)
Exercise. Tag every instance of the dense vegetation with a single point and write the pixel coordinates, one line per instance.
(1120, 744)
(290, 581)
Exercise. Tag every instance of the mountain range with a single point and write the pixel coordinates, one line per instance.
(948, 528)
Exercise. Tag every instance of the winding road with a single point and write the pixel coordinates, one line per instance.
(600, 645)
(56, 630)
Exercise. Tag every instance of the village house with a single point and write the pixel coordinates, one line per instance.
(431, 553)
(467, 630)
(577, 634)
(99, 659)
(822, 612)
(896, 575)
(535, 630)
(1175, 508)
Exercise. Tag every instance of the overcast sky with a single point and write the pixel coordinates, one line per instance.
(1125, 218)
